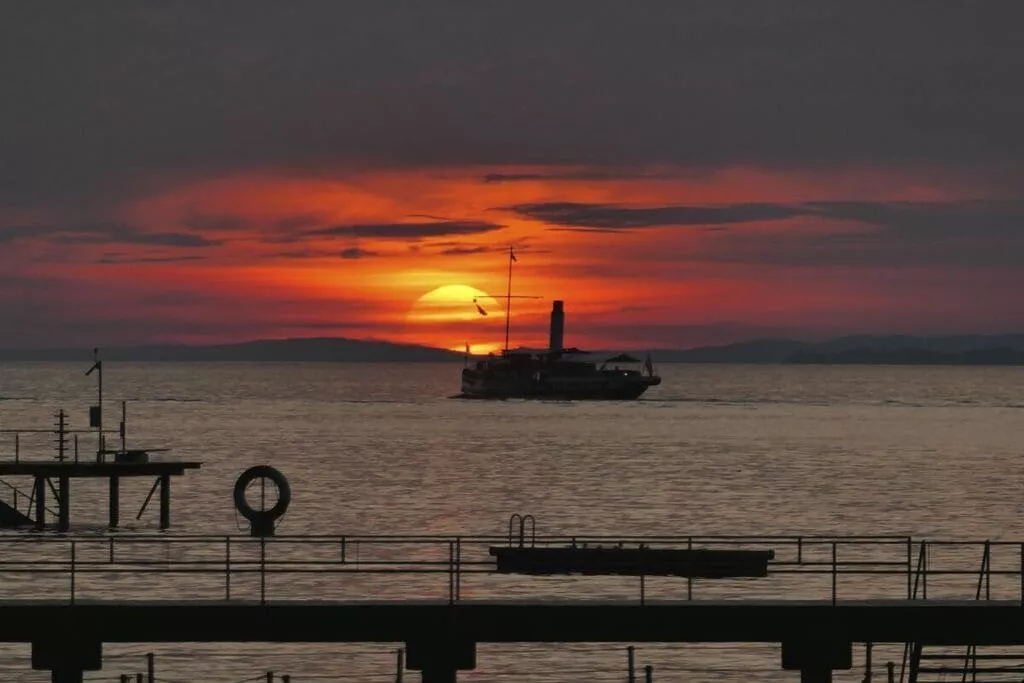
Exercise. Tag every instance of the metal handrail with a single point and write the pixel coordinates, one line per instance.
(460, 557)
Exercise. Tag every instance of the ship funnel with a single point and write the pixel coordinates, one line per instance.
(557, 326)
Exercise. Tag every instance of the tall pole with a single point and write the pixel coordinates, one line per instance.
(97, 366)
(508, 295)
(99, 397)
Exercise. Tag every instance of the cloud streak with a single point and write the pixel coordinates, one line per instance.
(405, 231)
(103, 233)
(617, 217)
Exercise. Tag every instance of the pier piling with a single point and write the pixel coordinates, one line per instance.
(165, 502)
(40, 494)
(64, 504)
(115, 501)
(57, 477)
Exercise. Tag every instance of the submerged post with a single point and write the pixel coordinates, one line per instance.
(114, 497)
(40, 494)
(165, 502)
(64, 504)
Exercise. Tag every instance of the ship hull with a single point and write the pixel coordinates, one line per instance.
(611, 387)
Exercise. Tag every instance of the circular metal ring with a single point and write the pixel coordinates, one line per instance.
(284, 494)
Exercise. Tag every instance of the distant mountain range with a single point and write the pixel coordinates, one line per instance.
(874, 349)
(316, 349)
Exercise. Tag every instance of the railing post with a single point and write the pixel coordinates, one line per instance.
(924, 574)
(458, 568)
(399, 664)
(689, 579)
(150, 667)
(451, 572)
(648, 674)
(988, 570)
(263, 570)
(890, 671)
(270, 677)
(227, 567)
(834, 572)
(630, 664)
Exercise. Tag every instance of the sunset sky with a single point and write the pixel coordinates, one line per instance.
(680, 173)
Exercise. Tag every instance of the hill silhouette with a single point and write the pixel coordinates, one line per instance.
(874, 349)
(317, 349)
(866, 349)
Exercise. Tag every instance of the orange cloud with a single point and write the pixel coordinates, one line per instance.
(352, 254)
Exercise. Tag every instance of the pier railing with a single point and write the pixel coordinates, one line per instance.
(460, 568)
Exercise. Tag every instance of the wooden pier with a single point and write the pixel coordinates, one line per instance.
(44, 473)
(70, 462)
(441, 596)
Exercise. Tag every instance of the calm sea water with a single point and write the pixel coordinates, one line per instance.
(927, 451)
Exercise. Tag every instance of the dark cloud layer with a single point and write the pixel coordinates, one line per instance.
(596, 175)
(124, 259)
(891, 234)
(356, 253)
(403, 231)
(104, 99)
(955, 216)
(610, 217)
(102, 233)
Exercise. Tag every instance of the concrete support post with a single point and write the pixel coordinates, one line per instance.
(440, 658)
(165, 502)
(67, 656)
(816, 659)
(64, 504)
(115, 501)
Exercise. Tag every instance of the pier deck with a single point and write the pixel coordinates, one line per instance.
(878, 621)
(443, 595)
(44, 472)
(84, 469)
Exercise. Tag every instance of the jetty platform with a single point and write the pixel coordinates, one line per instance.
(441, 596)
(45, 472)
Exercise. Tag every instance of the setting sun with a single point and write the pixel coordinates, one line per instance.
(457, 316)
(452, 303)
